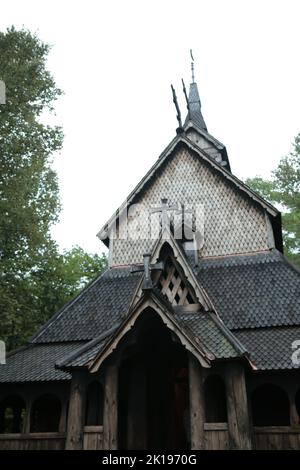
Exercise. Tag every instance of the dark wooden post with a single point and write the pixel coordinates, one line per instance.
(294, 418)
(137, 419)
(197, 408)
(239, 427)
(27, 419)
(76, 412)
(63, 417)
(110, 418)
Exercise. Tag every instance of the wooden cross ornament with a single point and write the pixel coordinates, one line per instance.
(147, 268)
(165, 221)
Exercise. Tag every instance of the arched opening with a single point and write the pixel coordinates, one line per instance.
(94, 404)
(12, 414)
(215, 400)
(297, 403)
(270, 406)
(45, 414)
(153, 388)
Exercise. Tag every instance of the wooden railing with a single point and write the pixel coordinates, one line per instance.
(33, 441)
(93, 438)
(216, 437)
(277, 437)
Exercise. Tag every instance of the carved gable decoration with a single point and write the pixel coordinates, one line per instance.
(173, 285)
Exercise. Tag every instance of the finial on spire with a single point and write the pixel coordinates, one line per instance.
(192, 66)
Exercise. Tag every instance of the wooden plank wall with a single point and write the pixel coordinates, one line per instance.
(277, 438)
(93, 438)
(216, 436)
(265, 438)
(38, 441)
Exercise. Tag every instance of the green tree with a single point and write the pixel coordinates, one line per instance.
(35, 279)
(283, 190)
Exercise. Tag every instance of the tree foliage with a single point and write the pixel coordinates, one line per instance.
(35, 279)
(283, 190)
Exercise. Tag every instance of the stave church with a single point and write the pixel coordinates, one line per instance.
(191, 337)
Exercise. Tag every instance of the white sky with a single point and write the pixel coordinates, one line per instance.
(115, 61)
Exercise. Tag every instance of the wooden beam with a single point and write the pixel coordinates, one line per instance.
(63, 417)
(110, 418)
(294, 418)
(76, 412)
(27, 418)
(240, 431)
(197, 406)
(137, 409)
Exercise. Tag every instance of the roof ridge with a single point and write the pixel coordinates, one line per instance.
(228, 334)
(85, 347)
(293, 266)
(251, 258)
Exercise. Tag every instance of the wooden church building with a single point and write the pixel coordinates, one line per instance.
(188, 340)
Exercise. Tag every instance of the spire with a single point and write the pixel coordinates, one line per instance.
(194, 103)
(195, 114)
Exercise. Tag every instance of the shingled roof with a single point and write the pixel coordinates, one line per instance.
(215, 336)
(204, 326)
(271, 348)
(256, 296)
(36, 363)
(253, 291)
(183, 141)
(95, 310)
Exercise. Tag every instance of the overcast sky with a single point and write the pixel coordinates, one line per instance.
(115, 61)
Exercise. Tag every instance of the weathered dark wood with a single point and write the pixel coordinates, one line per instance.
(237, 407)
(216, 440)
(215, 427)
(93, 438)
(76, 412)
(137, 409)
(294, 418)
(197, 406)
(63, 418)
(26, 426)
(36, 441)
(110, 418)
(277, 438)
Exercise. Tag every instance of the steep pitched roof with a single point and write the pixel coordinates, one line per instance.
(253, 291)
(256, 296)
(35, 363)
(182, 140)
(216, 337)
(82, 355)
(271, 348)
(203, 327)
(201, 333)
(99, 307)
(191, 126)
